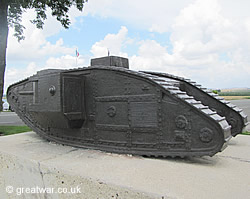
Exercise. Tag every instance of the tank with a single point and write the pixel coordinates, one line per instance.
(109, 107)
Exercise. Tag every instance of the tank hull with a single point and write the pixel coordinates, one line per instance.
(118, 110)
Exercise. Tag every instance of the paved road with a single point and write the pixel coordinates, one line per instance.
(245, 105)
(10, 119)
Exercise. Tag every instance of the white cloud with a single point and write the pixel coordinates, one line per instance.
(112, 43)
(35, 50)
(202, 33)
(157, 15)
(35, 46)
(201, 29)
(200, 36)
(209, 39)
(64, 62)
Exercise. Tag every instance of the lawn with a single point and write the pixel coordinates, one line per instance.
(9, 130)
(246, 133)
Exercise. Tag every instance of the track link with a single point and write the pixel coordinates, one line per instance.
(234, 115)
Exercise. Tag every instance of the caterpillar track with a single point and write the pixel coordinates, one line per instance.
(108, 107)
(234, 116)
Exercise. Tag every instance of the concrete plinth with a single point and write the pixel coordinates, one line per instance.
(29, 165)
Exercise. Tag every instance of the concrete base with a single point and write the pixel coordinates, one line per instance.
(29, 163)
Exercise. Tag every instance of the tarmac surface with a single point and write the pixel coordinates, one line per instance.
(10, 119)
(27, 160)
(245, 106)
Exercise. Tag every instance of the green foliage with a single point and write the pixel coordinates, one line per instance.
(59, 9)
(15, 19)
(215, 91)
(9, 130)
(235, 93)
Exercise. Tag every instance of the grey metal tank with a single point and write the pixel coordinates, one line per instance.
(108, 107)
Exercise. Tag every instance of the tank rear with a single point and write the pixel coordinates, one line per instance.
(234, 116)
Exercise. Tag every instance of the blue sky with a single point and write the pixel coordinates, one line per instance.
(204, 40)
(87, 30)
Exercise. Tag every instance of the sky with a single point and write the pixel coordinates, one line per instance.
(207, 41)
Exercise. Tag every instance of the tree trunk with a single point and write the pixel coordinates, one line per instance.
(3, 45)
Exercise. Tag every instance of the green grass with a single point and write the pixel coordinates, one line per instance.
(245, 133)
(9, 130)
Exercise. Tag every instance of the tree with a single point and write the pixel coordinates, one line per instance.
(11, 16)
